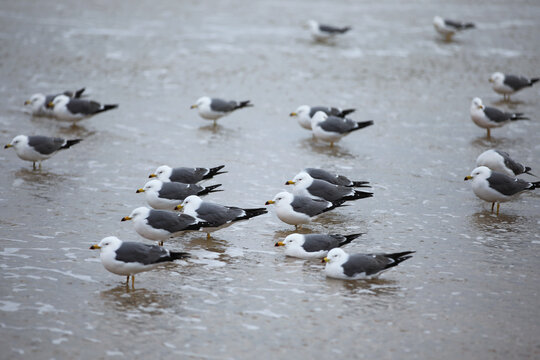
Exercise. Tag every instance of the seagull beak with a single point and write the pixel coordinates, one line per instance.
(194, 106)
(293, 114)
(7, 146)
(50, 105)
(279, 243)
(325, 260)
(491, 80)
(95, 247)
(468, 177)
(290, 182)
(152, 176)
(27, 102)
(481, 106)
(270, 202)
(125, 218)
(139, 191)
(178, 207)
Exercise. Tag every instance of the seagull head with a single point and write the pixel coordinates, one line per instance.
(438, 21)
(202, 101)
(110, 242)
(190, 204)
(36, 100)
(139, 213)
(60, 100)
(497, 78)
(162, 173)
(481, 172)
(152, 185)
(301, 111)
(291, 240)
(318, 117)
(19, 142)
(477, 104)
(336, 255)
(302, 180)
(312, 24)
(281, 198)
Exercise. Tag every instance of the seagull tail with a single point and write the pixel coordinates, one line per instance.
(214, 171)
(78, 93)
(177, 255)
(253, 212)
(360, 184)
(399, 257)
(347, 112)
(209, 189)
(70, 143)
(335, 204)
(362, 124)
(534, 185)
(107, 107)
(345, 29)
(533, 80)
(468, 26)
(349, 238)
(243, 104)
(518, 116)
(358, 195)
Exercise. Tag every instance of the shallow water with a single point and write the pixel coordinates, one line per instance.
(470, 291)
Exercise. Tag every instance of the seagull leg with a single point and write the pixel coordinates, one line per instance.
(498, 206)
(133, 281)
(127, 281)
(492, 206)
(488, 133)
(208, 236)
(160, 243)
(34, 165)
(332, 144)
(40, 165)
(215, 123)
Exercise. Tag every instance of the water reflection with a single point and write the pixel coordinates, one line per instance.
(323, 148)
(124, 298)
(372, 287)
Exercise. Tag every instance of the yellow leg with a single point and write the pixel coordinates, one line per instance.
(208, 236)
(498, 206)
(127, 281)
(488, 133)
(160, 243)
(331, 144)
(133, 281)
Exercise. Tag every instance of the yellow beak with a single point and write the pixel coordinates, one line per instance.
(179, 207)
(125, 218)
(279, 243)
(7, 146)
(152, 176)
(50, 105)
(480, 106)
(139, 191)
(270, 202)
(95, 247)
(194, 106)
(468, 177)
(293, 114)
(27, 102)
(326, 260)
(290, 182)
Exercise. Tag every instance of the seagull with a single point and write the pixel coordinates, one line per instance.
(160, 195)
(214, 109)
(341, 265)
(186, 175)
(129, 258)
(449, 28)
(38, 102)
(332, 128)
(509, 84)
(313, 246)
(501, 161)
(67, 109)
(304, 113)
(335, 179)
(161, 224)
(489, 117)
(39, 148)
(305, 185)
(215, 215)
(497, 187)
(297, 209)
(321, 32)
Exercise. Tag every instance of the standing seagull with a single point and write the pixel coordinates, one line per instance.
(305, 185)
(215, 215)
(74, 110)
(39, 148)
(297, 209)
(509, 84)
(449, 28)
(129, 258)
(335, 179)
(159, 225)
(341, 265)
(332, 128)
(186, 175)
(321, 32)
(501, 161)
(166, 195)
(313, 246)
(489, 117)
(214, 109)
(496, 187)
(304, 113)
(38, 102)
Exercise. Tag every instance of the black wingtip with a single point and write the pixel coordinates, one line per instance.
(363, 124)
(177, 255)
(360, 184)
(215, 171)
(349, 238)
(254, 212)
(79, 93)
(244, 104)
(70, 143)
(210, 189)
(347, 112)
(528, 171)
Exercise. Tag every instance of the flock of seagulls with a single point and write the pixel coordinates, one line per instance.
(175, 194)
